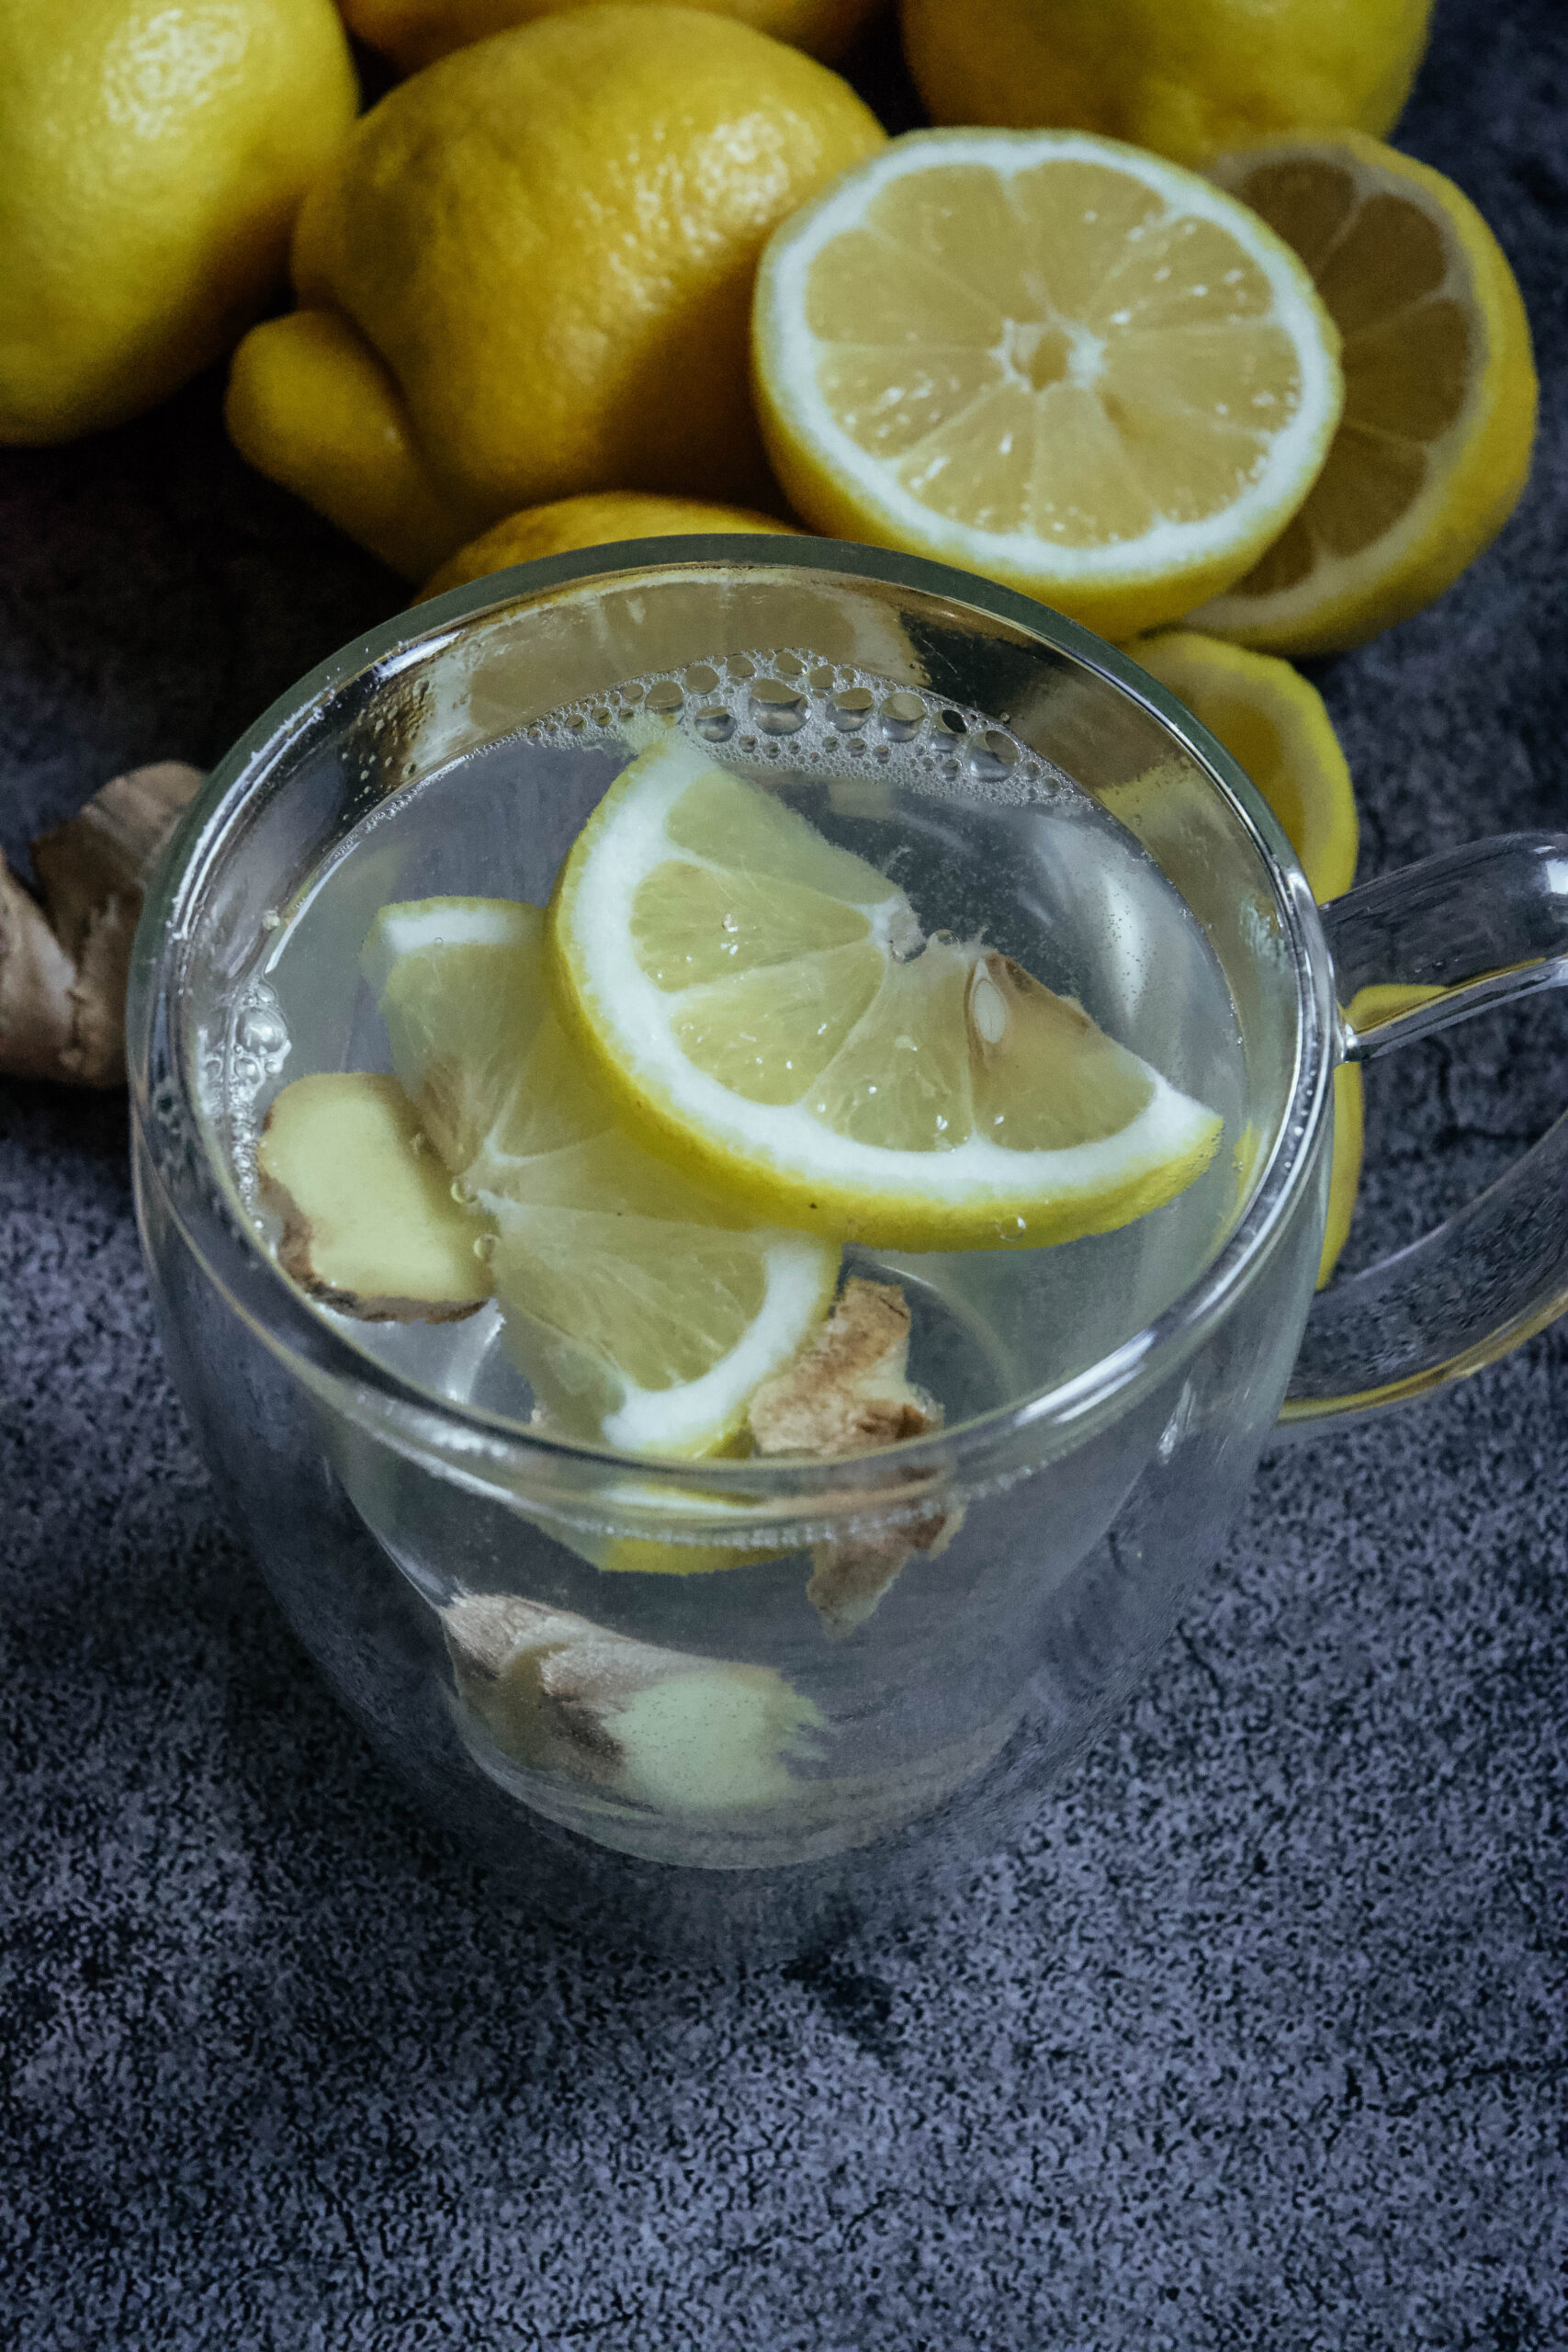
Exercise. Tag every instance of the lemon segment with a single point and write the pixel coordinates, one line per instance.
(643, 1311)
(1047, 358)
(812, 1056)
(1434, 449)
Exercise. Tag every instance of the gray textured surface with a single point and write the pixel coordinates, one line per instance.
(1259, 2037)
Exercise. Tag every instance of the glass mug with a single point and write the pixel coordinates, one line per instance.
(690, 1758)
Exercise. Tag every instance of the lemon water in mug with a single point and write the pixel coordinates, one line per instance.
(971, 838)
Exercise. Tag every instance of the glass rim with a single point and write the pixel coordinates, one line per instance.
(303, 1335)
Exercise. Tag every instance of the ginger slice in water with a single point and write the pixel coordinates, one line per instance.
(369, 1224)
(662, 1728)
(847, 1389)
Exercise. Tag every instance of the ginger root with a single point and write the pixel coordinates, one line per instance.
(663, 1727)
(848, 1388)
(65, 955)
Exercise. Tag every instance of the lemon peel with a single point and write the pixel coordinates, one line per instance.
(414, 33)
(154, 159)
(1276, 724)
(595, 519)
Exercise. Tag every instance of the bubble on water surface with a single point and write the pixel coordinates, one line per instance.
(779, 708)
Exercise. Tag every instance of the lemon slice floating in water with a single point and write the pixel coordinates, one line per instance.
(644, 1310)
(767, 1006)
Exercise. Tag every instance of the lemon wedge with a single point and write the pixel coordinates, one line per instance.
(767, 1005)
(643, 1311)
(1043, 355)
(1276, 724)
(1441, 393)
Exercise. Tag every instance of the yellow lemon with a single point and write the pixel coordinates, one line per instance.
(415, 32)
(1184, 77)
(1439, 393)
(1274, 723)
(766, 1005)
(534, 261)
(1046, 358)
(596, 519)
(151, 161)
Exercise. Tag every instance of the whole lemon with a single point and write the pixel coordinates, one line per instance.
(528, 274)
(1187, 77)
(415, 32)
(596, 519)
(151, 161)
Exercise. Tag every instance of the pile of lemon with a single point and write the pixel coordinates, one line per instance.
(1154, 328)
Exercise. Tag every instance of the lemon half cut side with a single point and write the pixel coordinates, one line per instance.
(768, 1006)
(1048, 357)
(643, 1310)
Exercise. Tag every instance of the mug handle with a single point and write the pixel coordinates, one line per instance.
(1414, 953)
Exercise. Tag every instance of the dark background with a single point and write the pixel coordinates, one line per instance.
(1258, 2040)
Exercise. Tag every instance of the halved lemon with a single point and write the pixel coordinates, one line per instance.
(768, 1006)
(1275, 722)
(643, 1310)
(1048, 357)
(1439, 402)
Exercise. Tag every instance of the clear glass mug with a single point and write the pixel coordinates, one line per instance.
(702, 1764)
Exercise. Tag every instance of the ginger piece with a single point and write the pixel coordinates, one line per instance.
(65, 955)
(369, 1223)
(848, 1388)
(682, 1733)
(850, 1576)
